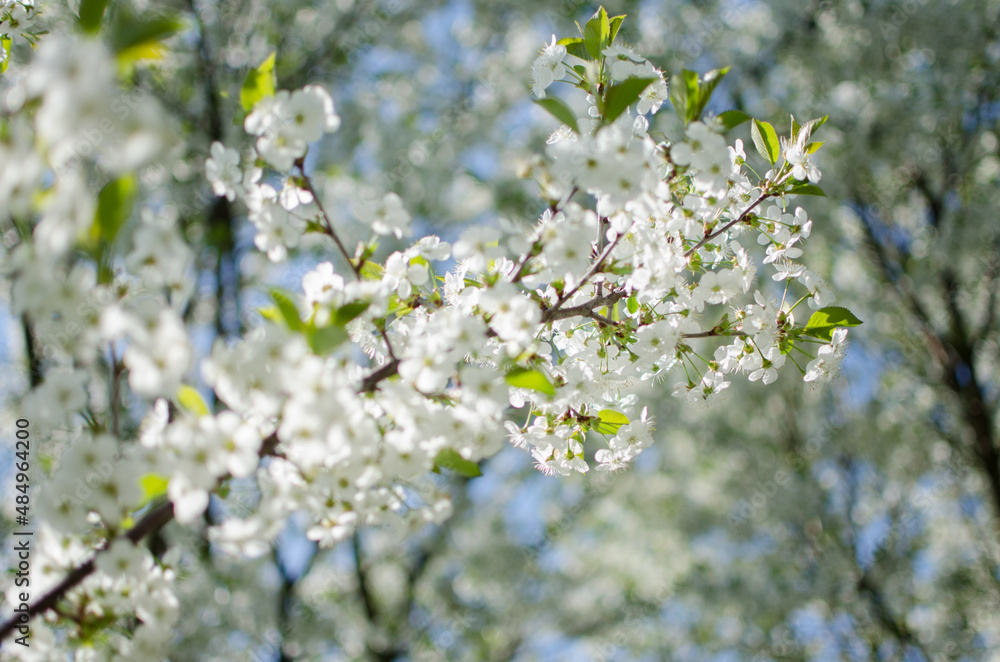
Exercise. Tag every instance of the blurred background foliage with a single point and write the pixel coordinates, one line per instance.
(852, 522)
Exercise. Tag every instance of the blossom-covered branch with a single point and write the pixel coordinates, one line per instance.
(419, 359)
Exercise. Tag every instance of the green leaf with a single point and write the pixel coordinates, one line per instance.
(575, 46)
(622, 95)
(765, 140)
(684, 94)
(6, 43)
(610, 421)
(597, 34)
(450, 459)
(616, 23)
(825, 320)
(153, 486)
(114, 206)
(532, 379)
(132, 32)
(91, 13)
(348, 312)
(812, 147)
(811, 126)
(705, 88)
(633, 304)
(372, 270)
(560, 111)
(805, 188)
(732, 119)
(324, 340)
(190, 401)
(259, 83)
(270, 313)
(289, 311)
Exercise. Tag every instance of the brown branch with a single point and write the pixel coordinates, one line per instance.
(326, 220)
(993, 283)
(904, 289)
(31, 353)
(714, 333)
(150, 523)
(584, 309)
(601, 319)
(739, 219)
(328, 226)
(866, 583)
(953, 354)
(363, 590)
(153, 520)
(594, 268)
(117, 370)
(522, 263)
(369, 383)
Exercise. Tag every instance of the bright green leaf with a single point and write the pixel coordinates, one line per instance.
(811, 126)
(131, 31)
(706, 86)
(270, 313)
(372, 271)
(114, 206)
(633, 304)
(91, 13)
(765, 140)
(732, 119)
(450, 459)
(825, 320)
(560, 111)
(531, 379)
(678, 96)
(616, 24)
(153, 486)
(259, 83)
(190, 401)
(597, 34)
(5, 43)
(684, 94)
(575, 46)
(805, 188)
(622, 95)
(610, 421)
(349, 311)
(324, 340)
(812, 147)
(289, 311)
(147, 51)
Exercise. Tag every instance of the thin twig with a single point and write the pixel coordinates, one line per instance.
(549, 314)
(326, 220)
(355, 269)
(363, 589)
(151, 522)
(601, 319)
(741, 218)
(713, 333)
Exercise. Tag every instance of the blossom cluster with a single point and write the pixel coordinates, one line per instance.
(17, 24)
(590, 305)
(381, 371)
